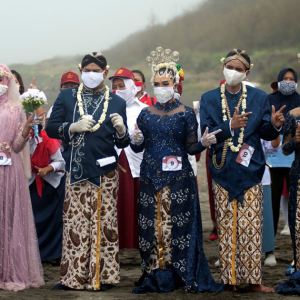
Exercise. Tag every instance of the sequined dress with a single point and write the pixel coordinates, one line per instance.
(292, 286)
(170, 224)
(20, 265)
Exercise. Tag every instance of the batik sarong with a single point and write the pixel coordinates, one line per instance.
(90, 255)
(161, 249)
(297, 228)
(240, 235)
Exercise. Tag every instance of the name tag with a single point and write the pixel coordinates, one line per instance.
(172, 163)
(245, 155)
(5, 158)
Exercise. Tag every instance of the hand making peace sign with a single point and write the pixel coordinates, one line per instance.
(277, 117)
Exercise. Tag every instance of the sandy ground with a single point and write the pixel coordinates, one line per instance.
(130, 269)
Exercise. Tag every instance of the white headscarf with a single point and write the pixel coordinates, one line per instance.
(129, 93)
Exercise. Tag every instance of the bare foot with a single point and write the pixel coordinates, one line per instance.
(260, 288)
(230, 288)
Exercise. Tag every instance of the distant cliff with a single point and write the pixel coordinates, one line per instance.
(269, 30)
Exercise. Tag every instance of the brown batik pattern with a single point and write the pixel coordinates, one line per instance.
(240, 235)
(90, 252)
(166, 227)
(297, 228)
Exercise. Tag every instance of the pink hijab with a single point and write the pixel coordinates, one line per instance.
(8, 78)
(13, 94)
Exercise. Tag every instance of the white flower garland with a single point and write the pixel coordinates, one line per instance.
(226, 108)
(81, 111)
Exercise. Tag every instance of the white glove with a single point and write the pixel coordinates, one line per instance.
(208, 139)
(137, 137)
(82, 125)
(118, 123)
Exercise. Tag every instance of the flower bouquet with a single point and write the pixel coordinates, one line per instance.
(31, 101)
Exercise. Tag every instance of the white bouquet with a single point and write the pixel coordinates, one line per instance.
(33, 99)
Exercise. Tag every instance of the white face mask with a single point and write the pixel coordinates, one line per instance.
(125, 94)
(91, 79)
(233, 77)
(3, 89)
(163, 94)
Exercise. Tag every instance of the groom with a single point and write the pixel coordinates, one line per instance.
(93, 121)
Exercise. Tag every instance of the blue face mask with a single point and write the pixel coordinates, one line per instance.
(287, 87)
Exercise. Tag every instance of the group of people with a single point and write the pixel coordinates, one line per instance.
(113, 168)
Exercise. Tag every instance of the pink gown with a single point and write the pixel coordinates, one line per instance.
(20, 265)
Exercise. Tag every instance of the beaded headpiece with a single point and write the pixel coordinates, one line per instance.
(165, 59)
(240, 55)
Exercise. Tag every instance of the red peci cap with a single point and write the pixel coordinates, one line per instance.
(122, 73)
(69, 77)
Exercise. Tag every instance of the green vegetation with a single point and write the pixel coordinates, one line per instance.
(268, 30)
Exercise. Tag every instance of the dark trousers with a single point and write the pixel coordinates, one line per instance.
(277, 178)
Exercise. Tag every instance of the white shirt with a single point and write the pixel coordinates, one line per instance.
(56, 161)
(268, 149)
(134, 159)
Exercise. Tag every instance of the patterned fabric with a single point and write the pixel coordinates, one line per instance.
(90, 235)
(297, 229)
(240, 235)
(162, 233)
(234, 177)
(292, 285)
(170, 130)
(289, 128)
(91, 146)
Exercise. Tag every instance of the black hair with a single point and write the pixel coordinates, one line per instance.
(19, 78)
(163, 70)
(141, 73)
(243, 53)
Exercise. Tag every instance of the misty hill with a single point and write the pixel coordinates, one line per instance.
(268, 30)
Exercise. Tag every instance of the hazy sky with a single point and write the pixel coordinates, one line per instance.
(33, 30)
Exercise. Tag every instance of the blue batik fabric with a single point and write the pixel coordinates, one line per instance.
(292, 286)
(290, 126)
(233, 176)
(171, 130)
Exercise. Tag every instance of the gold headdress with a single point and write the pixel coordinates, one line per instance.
(167, 59)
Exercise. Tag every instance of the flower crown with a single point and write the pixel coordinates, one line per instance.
(6, 74)
(161, 58)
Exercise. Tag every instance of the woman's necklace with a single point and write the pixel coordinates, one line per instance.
(225, 109)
